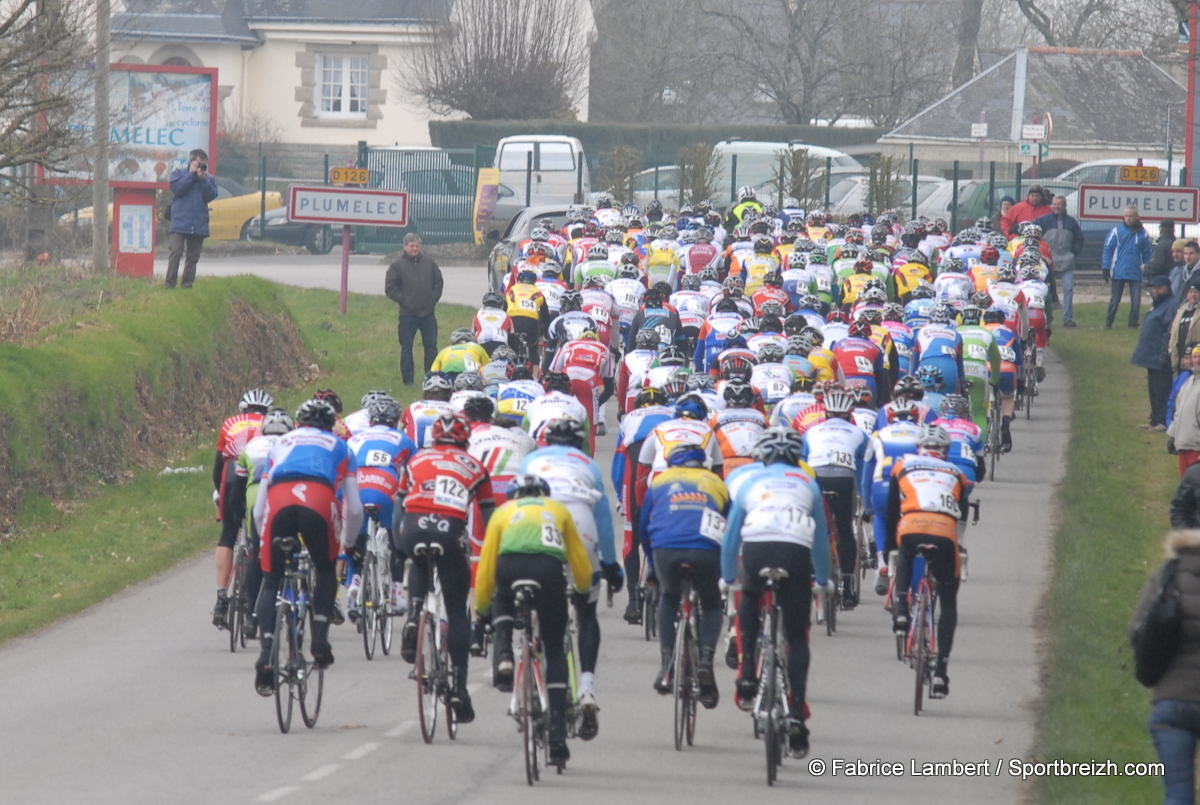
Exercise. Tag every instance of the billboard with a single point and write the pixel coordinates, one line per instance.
(159, 114)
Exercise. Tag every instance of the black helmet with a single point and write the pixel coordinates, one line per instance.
(528, 486)
(738, 394)
(557, 381)
(779, 446)
(479, 408)
(565, 431)
(384, 411)
(316, 414)
(494, 299)
(646, 338)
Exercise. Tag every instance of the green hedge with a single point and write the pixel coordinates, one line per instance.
(659, 144)
(96, 395)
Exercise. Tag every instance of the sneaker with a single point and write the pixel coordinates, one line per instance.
(250, 626)
(747, 692)
(559, 753)
(849, 596)
(502, 675)
(940, 688)
(264, 680)
(408, 642)
(1145, 426)
(881, 581)
(1159, 429)
(460, 703)
(322, 654)
(797, 737)
(589, 724)
(1069, 324)
(220, 612)
(710, 695)
(663, 682)
(399, 602)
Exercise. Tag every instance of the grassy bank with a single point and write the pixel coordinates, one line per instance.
(1114, 516)
(67, 552)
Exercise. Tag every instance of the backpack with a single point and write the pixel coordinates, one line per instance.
(1156, 639)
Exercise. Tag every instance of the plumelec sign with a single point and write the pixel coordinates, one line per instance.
(343, 205)
(1107, 202)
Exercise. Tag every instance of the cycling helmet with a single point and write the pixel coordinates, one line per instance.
(316, 414)
(952, 265)
(1006, 274)
(528, 486)
(494, 299)
(941, 314)
(654, 209)
(770, 352)
(971, 314)
(551, 271)
(779, 446)
(614, 236)
(863, 266)
(650, 396)
(1031, 272)
(805, 244)
(813, 334)
(646, 338)
(989, 255)
(994, 315)
(539, 233)
(749, 326)
(277, 422)
(597, 251)
(570, 301)
(1031, 230)
(930, 377)
(330, 396)
(256, 399)
(873, 296)
(795, 323)
(468, 381)
(734, 286)
(770, 323)
(669, 232)
(797, 259)
(810, 301)
(818, 258)
(628, 271)
(672, 356)
(908, 387)
(462, 336)
(557, 381)
(450, 429)
(862, 394)
(923, 291)
(384, 411)
(773, 279)
(691, 406)
(799, 345)
(983, 224)
(700, 381)
(526, 276)
(901, 409)
(737, 366)
(838, 402)
(859, 329)
(998, 240)
(746, 193)
(762, 244)
(871, 315)
(955, 406)
(837, 316)
(802, 383)
(918, 257)
(934, 441)
(981, 300)
(738, 394)
(893, 311)
(879, 234)
(773, 307)
(654, 298)
(436, 381)
(565, 431)
(595, 281)
(503, 353)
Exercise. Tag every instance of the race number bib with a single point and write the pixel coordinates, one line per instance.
(377, 458)
(712, 526)
(793, 518)
(528, 303)
(977, 352)
(1008, 354)
(600, 315)
(863, 364)
(777, 390)
(551, 536)
(949, 351)
(824, 284)
(517, 403)
(450, 493)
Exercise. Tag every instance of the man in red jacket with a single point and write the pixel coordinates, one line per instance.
(1035, 205)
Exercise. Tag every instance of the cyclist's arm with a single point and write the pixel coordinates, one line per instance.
(352, 510)
(485, 573)
(994, 363)
(731, 546)
(260, 503)
(577, 555)
(820, 546)
(604, 521)
(642, 533)
(218, 472)
(893, 510)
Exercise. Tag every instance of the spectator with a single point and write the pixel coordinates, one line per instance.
(1185, 328)
(1185, 504)
(1126, 251)
(1184, 273)
(1061, 232)
(1161, 261)
(1174, 721)
(1034, 206)
(1151, 352)
(1185, 371)
(1183, 436)
(1006, 204)
(192, 187)
(414, 282)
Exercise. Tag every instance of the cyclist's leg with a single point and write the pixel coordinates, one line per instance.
(322, 545)
(944, 568)
(841, 503)
(509, 568)
(795, 601)
(412, 533)
(748, 619)
(706, 576)
(552, 620)
(233, 511)
(254, 577)
(904, 563)
(454, 571)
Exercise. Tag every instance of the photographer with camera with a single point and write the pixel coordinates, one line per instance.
(193, 187)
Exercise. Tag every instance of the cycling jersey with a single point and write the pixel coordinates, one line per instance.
(552, 291)
(834, 331)
(835, 447)
(908, 276)
(864, 418)
(887, 446)
(940, 346)
(786, 409)
(236, 432)
(916, 312)
(500, 450)
(693, 308)
(627, 293)
(684, 509)
(737, 429)
(602, 308)
(630, 374)
(796, 284)
(594, 268)
(552, 405)
(755, 268)
(253, 462)
(773, 381)
(665, 320)
(577, 483)
(675, 432)
(966, 445)
(380, 451)
(861, 360)
(513, 396)
(418, 419)
(698, 256)
(459, 358)
(711, 339)
(310, 454)
(903, 338)
(491, 324)
(495, 374)
(954, 289)
(357, 421)
(445, 480)
(924, 498)
(662, 261)
(525, 301)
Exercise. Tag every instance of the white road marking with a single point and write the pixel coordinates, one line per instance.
(400, 729)
(321, 773)
(361, 752)
(271, 796)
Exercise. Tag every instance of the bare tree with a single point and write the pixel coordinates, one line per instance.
(503, 60)
(886, 183)
(1145, 24)
(618, 170)
(700, 174)
(42, 85)
(969, 21)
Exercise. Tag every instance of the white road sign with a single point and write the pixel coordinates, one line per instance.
(345, 205)
(979, 130)
(1033, 131)
(1107, 202)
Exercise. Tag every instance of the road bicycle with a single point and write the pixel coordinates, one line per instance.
(239, 604)
(530, 706)
(827, 605)
(867, 560)
(920, 646)
(649, 594)
(995, 430)
(1029, 373)
(432, 670)
(375, 622)
(771, 711)
(685, 685)
(297, 678)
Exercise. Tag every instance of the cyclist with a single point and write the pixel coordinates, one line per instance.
(440, 488)
(379, 453)
(721, 325)
(981, 364)
(659, 314)
(633, 367)
(557, 403)
(924, 505)
(689, 426)
(577, 482)
(1012, 362)
(512, 397)
(835, 449)
(860, 360)
(360, 420)
(602, 307)
(888, 444)
(340, 429)
(777, 520)
(492, 324)
(306, 470)
(588, 364)
(463, 355)
(252, 462)
(528, 311)
(230, 491)
(939, 346)
(531, 538)
(682, 525)
(419, 416)
(771, 377)
(499, 369)
(569, 324)
(737, 426)
(627, 290)
(467, 386)
(596, 265)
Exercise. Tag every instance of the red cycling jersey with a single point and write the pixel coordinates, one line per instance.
(236, 433)
(444, 479)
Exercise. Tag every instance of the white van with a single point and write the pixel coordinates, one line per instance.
(556, 164)
(758, 162)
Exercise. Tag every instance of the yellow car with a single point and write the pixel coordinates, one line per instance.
(229, 213)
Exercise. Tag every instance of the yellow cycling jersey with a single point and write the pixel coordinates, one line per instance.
(525, 300)
(468, 357)
(823, 363)
(909, 276)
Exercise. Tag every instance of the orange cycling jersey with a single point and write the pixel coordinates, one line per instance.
(928, 492)
(909, 276)
(983, 275)
(525, 300)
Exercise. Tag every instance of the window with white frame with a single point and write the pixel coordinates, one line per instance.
(341, 86)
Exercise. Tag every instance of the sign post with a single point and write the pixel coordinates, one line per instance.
(348, 207)
(1100, 202)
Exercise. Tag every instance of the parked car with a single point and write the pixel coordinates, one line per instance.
(229, 214)
(518, 229)
(1108, 171)
(317, 238)
(848, 195)
(973, 197)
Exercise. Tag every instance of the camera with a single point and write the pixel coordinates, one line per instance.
(202, 167)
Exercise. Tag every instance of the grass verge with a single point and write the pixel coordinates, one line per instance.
(1114, 515)
(67, 554)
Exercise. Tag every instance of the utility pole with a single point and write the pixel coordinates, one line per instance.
(100, 223)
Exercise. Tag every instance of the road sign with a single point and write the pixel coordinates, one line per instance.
(1025, 149)
(344, 205)
(979, 130)
(1107, 202)
(1043, 150)
(1139, 173)
(1033, 131)
(349, 176)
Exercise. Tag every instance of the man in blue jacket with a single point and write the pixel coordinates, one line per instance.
(1151, 351)
(1127, 249)
(193, 187)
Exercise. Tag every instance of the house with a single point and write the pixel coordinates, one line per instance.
(1097, 104)
(318, 72)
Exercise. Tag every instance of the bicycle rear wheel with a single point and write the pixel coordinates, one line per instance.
(425, 674)
(368, 611)
(682, 685)
(920, 647)
(383, 607)
(650, 611)
(311, 681)
(283, 651)
(529, 715)
(236, 596)
(444, 675)
(770, 697)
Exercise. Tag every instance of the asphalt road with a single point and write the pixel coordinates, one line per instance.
(138, 700)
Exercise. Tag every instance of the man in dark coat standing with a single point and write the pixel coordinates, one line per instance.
(1151, 351)
(414, 282)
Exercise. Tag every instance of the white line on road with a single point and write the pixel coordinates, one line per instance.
(271, 796)
(400, 729)
(361, 752)
(321, 773)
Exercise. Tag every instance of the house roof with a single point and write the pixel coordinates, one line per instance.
(338, 11)
(1093, 96)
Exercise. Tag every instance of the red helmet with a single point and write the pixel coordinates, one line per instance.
(864, 266)
(838, 316)
(451, 429)
(860, 329)
(989, 256)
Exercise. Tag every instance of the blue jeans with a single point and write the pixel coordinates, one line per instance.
(1114, 301)
(408, 328)
(1174, 725)
(1067, 278)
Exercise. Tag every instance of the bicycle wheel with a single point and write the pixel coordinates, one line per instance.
(693, 652)
(283, 651)
(650, 611)
(383, 606)
(528, 712)
(444, 675)
(770, 716)
(425, 674)
(681, 684)
(311, 685)
(920, 647)
(367, 607)
(236, 597)
(572, 680)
